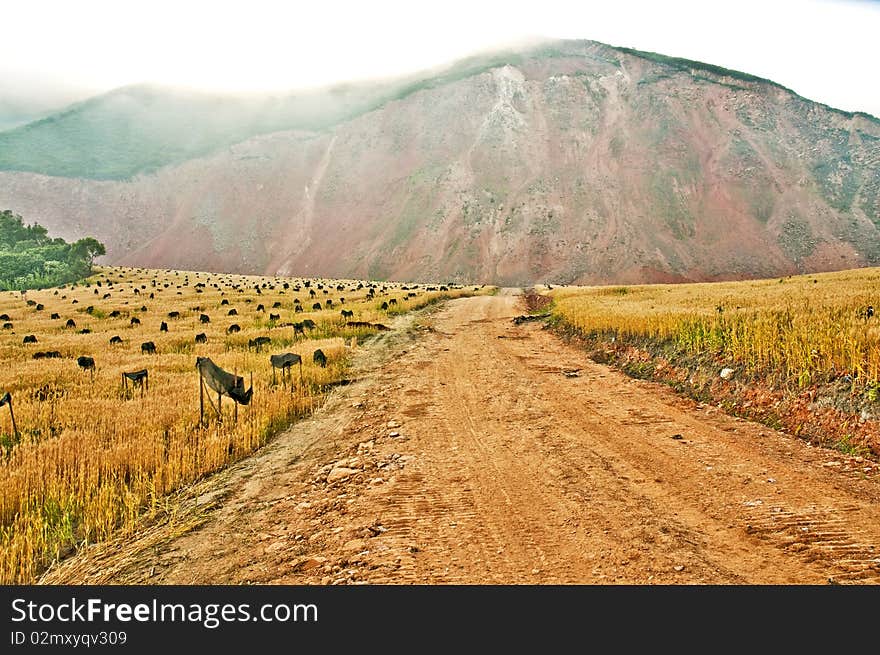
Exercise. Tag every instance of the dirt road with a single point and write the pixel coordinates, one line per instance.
(473, 450)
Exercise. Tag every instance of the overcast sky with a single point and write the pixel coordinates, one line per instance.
(824, 50)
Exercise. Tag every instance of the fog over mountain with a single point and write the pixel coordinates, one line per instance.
(572, 161)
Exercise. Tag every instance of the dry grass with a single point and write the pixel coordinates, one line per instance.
(90, 458)
(792, 331)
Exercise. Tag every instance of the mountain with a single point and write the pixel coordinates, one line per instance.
(570, 162)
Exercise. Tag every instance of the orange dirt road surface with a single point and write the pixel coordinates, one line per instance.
(473, 450)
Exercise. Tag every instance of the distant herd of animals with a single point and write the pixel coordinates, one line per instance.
(282, 362)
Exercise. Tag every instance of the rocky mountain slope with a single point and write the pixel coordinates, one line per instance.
(572, 162)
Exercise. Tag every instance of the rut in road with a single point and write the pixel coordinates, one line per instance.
(478, 451)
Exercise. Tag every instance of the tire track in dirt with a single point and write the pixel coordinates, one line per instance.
(473, 450)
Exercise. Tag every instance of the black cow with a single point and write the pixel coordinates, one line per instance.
(148, 347)
(276, 305)
(135, 320)
(258, 342)
(274, 317)
(260, 308)
(70, 323)
(204, 318)
(114, 314)
(201, 338)
(317, 307)
(384, 306)
(163, 327)
(347, 313)
(115, 340)
(30, 338)
(233, 328)
(86, 363)
(297, 308)
(49, 354)
(173, 314)
(232, 312)
(55, 316)
(319, 358)
(137, 378)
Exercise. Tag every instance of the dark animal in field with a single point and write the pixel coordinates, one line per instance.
(329, 303)
(277, 304)
(284, 361)
(869, 312)
(48, 354)
(317, 307)
(31, 303)
(90, 309)
(347, 313)
(148, 347)
(384, 306)
(30, 338)
(55, 316)
(319, 358)
(173, 314)
(138, 379)
(296, 301)
(135, 320)
(114, 314)
(232, 312)
(223, 382)
(85, 363)
(40, 307)
(204, 318)
(274, 317)
(367, 324)
(105, 296)
(260, 308)
(85, 331)
(393, 301)
(312, 293)
(201, 338)
(163, 327)
(233, 329)
(225, 301)
(309, 323)
(297, 308)
(70, 323)
(258, 342)
(115, 340)
(4, 317)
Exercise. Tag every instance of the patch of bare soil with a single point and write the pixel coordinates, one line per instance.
(475, 450)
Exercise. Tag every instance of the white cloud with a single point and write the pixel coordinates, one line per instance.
(824, 50)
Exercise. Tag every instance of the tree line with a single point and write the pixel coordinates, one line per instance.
(30, 259)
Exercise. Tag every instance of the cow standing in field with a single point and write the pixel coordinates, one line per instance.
(284, 361)
(224, 383)
(138, 379)
(86, 363)
(319, 358)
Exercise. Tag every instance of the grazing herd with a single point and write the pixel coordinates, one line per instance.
(213, 376)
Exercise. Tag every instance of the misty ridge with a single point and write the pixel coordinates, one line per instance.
(563, 161)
